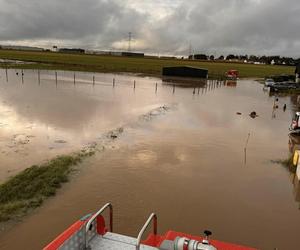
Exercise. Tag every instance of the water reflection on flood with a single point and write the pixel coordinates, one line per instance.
(44, 112)
(188, 165)
(40, 119)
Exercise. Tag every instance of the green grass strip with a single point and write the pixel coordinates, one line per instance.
(31, 187)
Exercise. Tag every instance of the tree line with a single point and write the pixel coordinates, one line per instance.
(277, 60)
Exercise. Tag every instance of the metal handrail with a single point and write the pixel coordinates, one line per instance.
(139, 238)
(88, 224)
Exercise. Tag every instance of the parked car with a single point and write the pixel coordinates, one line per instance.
(269, 82)
(295, 125)
(282, 86)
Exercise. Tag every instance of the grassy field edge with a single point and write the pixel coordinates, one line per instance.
(146, 66)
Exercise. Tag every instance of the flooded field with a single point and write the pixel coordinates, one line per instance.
(187, 163)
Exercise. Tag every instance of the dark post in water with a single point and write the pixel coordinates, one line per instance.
(22, 75)
(6, 74)
(39, 77)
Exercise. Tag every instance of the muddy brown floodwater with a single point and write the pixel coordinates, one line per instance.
(187, 164)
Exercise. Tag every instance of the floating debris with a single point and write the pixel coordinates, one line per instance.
(156, 112)
(113, 136)
(60, 141)
(253, 114)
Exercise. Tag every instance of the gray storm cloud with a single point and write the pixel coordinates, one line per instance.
(215, 26)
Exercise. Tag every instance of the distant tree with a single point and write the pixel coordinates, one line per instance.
(212, 58)
(201, 57)
(221, 57)
(253, 58)
(243, 57)
(230, 57)
(290, 61)
(264, 59)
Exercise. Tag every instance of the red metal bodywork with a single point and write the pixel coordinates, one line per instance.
(59, 241)
(152, 240)
(234, 74)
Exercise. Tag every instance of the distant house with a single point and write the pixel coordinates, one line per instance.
(200, 57)
(26, 48)
(97, 52)
(133, 54)
(76, 51)
(297, 72)
(167, 57)
(115, 53)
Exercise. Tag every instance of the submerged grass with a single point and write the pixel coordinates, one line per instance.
(31, 187)
(288, 163)
(148, 66)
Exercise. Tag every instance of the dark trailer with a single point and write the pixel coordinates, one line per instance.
(185, 76)
(185, 71)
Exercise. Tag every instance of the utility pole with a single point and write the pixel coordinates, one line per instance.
(191, 52)
(129, 41)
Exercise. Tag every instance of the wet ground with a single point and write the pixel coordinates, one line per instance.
(188, 164)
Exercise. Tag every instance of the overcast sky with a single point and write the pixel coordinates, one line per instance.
(216, 27)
